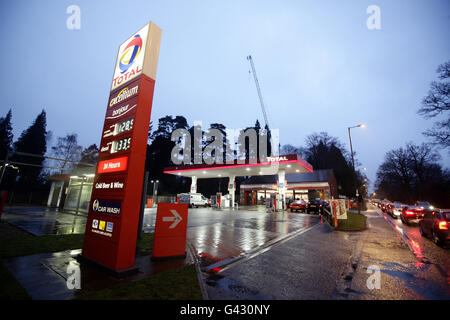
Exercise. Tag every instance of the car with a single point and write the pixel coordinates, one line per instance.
(395, 209)
(435, 225)
(316, 206)
(384, 205)
(387, 207)
(298, 205)
(423, 205)
(411, 214)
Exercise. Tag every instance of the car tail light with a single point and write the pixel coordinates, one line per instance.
(409, 213)
(443, 225)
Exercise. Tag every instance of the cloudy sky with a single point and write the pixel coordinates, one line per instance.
(320, 68)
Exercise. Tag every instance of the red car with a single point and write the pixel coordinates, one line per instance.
(298, 205)
(435, 224)
(411, 214)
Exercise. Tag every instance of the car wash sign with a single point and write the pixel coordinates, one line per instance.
(113, 218)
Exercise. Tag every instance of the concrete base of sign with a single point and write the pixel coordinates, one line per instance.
(123, 273)
(181, 256)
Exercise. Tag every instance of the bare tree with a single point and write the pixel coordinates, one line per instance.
(437, 103)
(395, 176)
(412, 173)
(290, 149)
(67, 148)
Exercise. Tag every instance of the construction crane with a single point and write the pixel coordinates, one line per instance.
(249, 58)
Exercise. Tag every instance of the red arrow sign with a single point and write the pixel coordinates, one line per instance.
(170, 238)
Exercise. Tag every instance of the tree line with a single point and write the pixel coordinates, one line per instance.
(27, 169)
(321, 150)
(412, 172)
(160, 147)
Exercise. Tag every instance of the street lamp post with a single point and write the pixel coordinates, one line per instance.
(353, 163)
(155, 189)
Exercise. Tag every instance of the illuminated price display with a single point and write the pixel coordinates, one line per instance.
(121, 145)
(123, 126)
(119, 128)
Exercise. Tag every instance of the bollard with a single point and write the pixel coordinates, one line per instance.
(335, 216)
(3, 196)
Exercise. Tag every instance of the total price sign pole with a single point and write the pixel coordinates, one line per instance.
(114, 208)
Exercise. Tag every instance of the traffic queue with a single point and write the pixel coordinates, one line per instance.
(433, 222)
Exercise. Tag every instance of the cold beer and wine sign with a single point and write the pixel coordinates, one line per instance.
(112, 223)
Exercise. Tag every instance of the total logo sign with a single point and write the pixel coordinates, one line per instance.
(130, 58)
(276, 159)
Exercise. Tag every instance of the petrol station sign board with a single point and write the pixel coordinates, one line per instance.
(113, 218)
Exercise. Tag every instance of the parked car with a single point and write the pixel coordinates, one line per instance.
(298, 205)
(316, 206)
(411, 214)
(435, 225)
(395, 209)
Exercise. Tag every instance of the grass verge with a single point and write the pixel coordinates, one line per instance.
(354, 222)
(173, 284)
(178, 284)
(28, 244)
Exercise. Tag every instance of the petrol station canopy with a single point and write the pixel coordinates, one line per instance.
(290, 163)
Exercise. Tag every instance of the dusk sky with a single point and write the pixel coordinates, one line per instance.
(320, 68)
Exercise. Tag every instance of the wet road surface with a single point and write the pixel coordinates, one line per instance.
(409, 267)
(306, 266)
(424, 249)
(219, 235)
(322, 264)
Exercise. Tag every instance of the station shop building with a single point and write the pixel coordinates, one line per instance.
(320, 184)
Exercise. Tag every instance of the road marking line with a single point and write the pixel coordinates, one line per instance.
(229, 263)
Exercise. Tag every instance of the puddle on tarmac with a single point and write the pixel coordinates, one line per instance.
(232, 289)
(410, 277)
